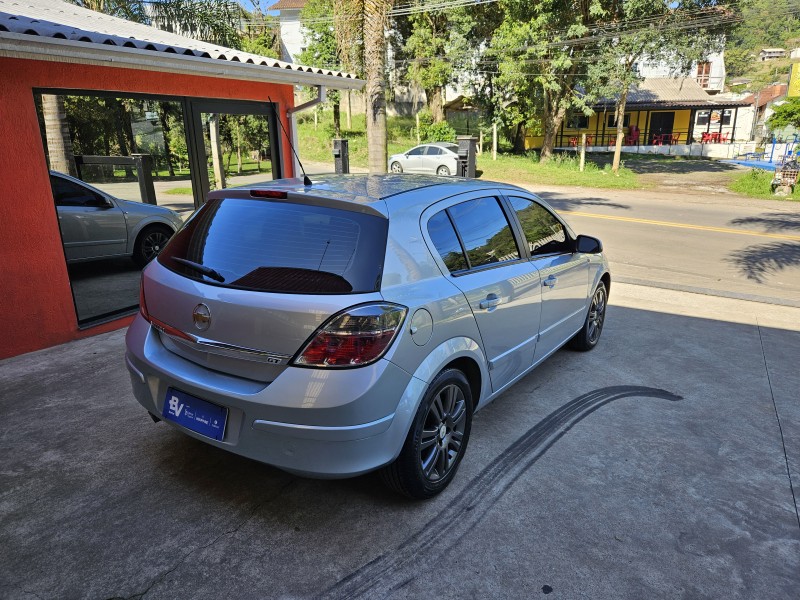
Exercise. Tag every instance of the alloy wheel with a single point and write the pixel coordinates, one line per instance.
(153, 243)
(442, 436)
(597, 314)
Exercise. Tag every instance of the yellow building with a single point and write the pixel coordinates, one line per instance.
(658, 112)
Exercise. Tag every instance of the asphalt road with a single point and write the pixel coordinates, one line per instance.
(708, 243)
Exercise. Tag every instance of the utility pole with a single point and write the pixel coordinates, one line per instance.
(494, 141)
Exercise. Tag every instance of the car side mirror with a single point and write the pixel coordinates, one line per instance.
(588, 245)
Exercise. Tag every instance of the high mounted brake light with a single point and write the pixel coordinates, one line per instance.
(267, 194)
(356, 337)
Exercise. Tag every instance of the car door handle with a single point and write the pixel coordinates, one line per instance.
(490, 302)
(550, 281)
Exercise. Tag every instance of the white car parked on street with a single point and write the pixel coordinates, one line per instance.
(440, 158)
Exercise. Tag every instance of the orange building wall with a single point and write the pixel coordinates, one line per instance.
(36, 308)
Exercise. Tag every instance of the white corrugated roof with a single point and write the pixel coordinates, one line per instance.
(32, 26)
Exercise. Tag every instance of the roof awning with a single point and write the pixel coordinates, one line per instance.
(61, 32)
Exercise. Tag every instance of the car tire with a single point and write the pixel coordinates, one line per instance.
(443, 171)
(437, 440)
(150, 242)
(589, 335)
(396, 167)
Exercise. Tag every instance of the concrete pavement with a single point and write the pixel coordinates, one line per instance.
(652, 467)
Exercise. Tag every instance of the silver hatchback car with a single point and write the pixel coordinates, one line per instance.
(358, 323)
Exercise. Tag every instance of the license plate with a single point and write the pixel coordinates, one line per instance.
(193, 413)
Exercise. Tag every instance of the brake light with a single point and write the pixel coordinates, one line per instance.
(267, 194)
(354, 338)
(142, 303)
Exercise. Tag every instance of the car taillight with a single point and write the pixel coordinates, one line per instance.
(356, 337)
(142, 303)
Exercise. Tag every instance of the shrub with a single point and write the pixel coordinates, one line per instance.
(434, 132)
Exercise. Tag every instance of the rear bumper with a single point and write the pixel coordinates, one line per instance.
(312, 422)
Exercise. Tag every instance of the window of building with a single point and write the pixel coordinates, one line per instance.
(577, 120)
(703, 74)
(114, 158)
(611, 122)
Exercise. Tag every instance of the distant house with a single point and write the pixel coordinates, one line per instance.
(762, 103)
(292, 40)
(771, 54)
(795, 53)
(709, 74)
(658, 112)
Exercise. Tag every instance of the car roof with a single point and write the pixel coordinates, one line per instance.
(367, 189)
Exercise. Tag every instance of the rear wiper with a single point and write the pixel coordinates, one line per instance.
(208, 271)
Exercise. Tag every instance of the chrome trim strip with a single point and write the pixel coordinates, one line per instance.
(244, 349)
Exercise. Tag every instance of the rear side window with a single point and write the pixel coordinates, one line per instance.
(447, 245)
(280, 247)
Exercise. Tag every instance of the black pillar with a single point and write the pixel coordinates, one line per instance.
(341, 156)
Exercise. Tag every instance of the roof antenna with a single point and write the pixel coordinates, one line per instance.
(306, 178)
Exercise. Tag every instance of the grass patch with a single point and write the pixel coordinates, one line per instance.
(756, 184)
(316, 146)
(560, 170)
(180, 191)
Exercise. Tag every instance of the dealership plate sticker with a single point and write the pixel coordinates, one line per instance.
(193, 413)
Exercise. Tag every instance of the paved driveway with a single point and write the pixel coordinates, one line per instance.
(653, 467)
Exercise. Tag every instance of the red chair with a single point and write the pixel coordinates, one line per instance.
(725, 138)
(633, 136)
(715, 137)
(706, 137)
(658, 139)
(573, 141)
(674, 139)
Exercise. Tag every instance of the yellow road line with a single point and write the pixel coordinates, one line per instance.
(779, 236)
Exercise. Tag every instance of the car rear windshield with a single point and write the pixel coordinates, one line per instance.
(274, 246)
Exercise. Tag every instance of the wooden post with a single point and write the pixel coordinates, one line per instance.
(480, 143)
(494, 141)
(315, 119)
(418, 138)
(216, 151)
(349, 111)
(583, 151)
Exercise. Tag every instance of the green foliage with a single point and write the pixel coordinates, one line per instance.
(757, 184)
(434, 132)
(786, 115)
(765, 24)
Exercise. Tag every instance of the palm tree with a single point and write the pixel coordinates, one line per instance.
(59, 143)
(361, 38)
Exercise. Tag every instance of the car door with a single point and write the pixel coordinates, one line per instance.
(414, 160)
(564, 272)
(479, 253)
(432, 159)
(92, 226)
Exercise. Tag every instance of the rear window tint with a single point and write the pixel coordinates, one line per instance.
(281, 247)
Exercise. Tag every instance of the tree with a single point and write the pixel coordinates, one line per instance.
(676, 34)
(361, 38)
(59, 143)
(786, 114)
(539, 49)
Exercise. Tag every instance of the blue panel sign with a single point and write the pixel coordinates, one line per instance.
(193, 413)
